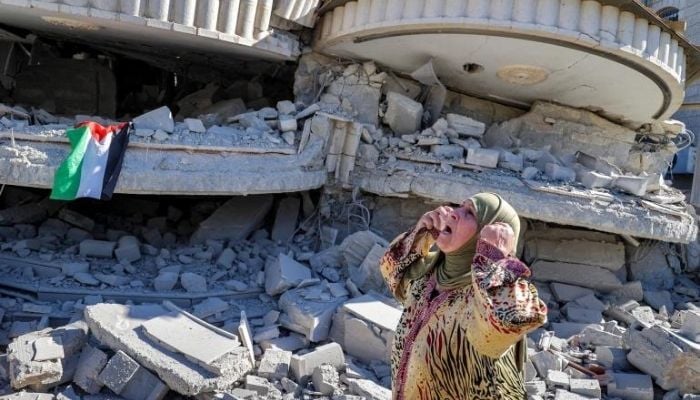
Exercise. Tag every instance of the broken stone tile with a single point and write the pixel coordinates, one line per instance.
(193, 283)
(631, 386)
(403, 115)
(234, 220)
(325, 379)
(303, 366)
(92, 361)
(284, 273)
(275, 364)
(120, 328)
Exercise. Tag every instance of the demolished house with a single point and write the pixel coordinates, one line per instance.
(275, 147)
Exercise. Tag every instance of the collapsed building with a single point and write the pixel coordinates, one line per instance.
(278, 146)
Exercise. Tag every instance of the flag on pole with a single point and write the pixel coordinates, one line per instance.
(94, 162)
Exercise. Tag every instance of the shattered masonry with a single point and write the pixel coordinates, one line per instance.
(268, 169)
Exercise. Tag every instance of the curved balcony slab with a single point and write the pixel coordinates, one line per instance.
(240, 29)
(175, 172)
(532, 200)
(580, 53)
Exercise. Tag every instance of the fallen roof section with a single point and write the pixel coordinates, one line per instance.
(562, 205)
(152, 169)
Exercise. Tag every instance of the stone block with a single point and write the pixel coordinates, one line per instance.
(307, 313)
(691, 325)
(286, 107)
(128, 249)
(293, 342)
(562, 394)
(97, 248)
(536, 388)
(544, 361)
(585, 387)
(127, 378)
(529, 173)
(275, 364)
(612, 357)
(588, 276)
(559, 173)
(566, 293)
(367, 275)
(595, 337)
(403, 115)
(76, 219)
(659, 298)
(483, 157)
(593, 180)
(209, 307)
(583, 315)
(631, 387)
(513, 162)
(447, 151)
(257, 384)
(226, 258)
(368, 389)
(325, 379)
(636, 185)
(160, 118)
(356, 246)
(92, 361)
(557, 379)
(286, 219)
(303, 366)
(193, 283)
(287, 123)
(120, 369)
(195, 125)
(234, 220)
(165, 281)
(284, 273)
(465, 126)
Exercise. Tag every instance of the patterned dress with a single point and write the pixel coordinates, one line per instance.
(459, 343)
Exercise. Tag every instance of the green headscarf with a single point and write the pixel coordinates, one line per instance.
(453, 270)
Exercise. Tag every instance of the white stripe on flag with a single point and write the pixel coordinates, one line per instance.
(92, 174)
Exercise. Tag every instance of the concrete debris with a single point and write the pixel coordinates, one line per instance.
(234, 220)
(160, 118)
(303, 366)
(92, 361)
(326, 379)
(309, 311)
(127, 378)
(403, 115)
(284, 273)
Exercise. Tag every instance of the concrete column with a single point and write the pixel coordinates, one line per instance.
(653, 37)
(501, 10)
(664, 47)
(455, 8)
(377, 11)
(608, 23)
(246, 18)
(362, 12)
(434, 8)
(680, 65)
(130, 7)
(625, 29)
(230, 11)
(524, 11)
(338, 15)
(394, 8)
(412, 9)
(641, 31)
(590, 18)
(263, 15)
(159, 9)
(211, 15)
(349, 15)
(189, 10)
(478, 9)
(569, 11)
(336, 145)
(326, 24)
(673, 55)
(547, 12)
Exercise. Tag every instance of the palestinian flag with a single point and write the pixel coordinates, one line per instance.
(94, 163)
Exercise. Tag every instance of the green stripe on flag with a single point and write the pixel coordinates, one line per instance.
(67, 179)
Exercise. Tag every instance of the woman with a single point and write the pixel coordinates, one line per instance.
(467, 306)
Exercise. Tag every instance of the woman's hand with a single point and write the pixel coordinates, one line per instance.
(435, 219)
(499, 235)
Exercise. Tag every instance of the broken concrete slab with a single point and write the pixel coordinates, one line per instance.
(606, 255)
(367, 276)
(356, 246)
(181, 334)
(48, 348)
(234, 220)
(120, 328)
(566, 293)
(576, 274)
(465, 126)
(246, 335)
(283, 273)
(160, 118)
(631, 386)
(275, 364)
(303, 366)
(307, 313)
(403, 114)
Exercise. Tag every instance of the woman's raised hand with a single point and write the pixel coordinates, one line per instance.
(499, 235)
(434, 219)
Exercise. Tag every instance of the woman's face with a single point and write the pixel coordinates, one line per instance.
(459, 227)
